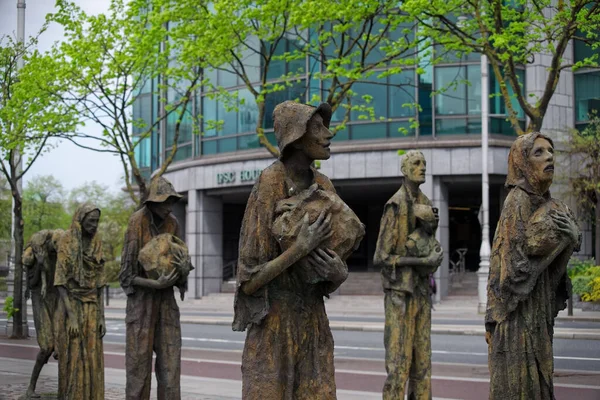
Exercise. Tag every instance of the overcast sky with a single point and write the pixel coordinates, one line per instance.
(68, 163)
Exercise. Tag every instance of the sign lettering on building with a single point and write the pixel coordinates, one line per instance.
(225, 177)
(246, 175)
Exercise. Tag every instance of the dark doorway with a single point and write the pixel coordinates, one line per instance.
(367, 199)
(463, 210)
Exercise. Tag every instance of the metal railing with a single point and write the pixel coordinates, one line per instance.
(458, 265)
(230, 270)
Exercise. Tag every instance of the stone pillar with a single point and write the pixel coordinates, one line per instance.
(374, 212)
(204, 236)
(440, 200)
(437, 192)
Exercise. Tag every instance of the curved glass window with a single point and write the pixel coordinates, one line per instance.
(587, 95)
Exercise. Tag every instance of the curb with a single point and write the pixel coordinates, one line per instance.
(578, 319)
(345, 314)
(437, 330)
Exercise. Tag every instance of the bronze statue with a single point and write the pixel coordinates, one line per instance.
(287, 263)
(528, 283)
(152, 262)
(39, 258)
(407, 253)
(80, 322)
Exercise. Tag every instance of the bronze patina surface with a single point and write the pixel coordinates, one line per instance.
(528, 283)
(39, 258)
(152, 315)
(80, 323)
(288, 352)
(407, 253)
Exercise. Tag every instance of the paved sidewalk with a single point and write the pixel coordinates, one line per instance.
(453, 307)
(14, 380)
(453, 316)
(459, 309)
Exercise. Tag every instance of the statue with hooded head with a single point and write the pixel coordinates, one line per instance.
(528, 283)
(79, 278)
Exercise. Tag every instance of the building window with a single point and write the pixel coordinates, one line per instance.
(497, 104)
(279, 67)
(587, 95)
(142, 152)
(297, 91)
(401, 94)
(143, 116)
(185, 128)
(373, 96)
(453, 98)
(458, 101)
(499, 122)
(582, 50)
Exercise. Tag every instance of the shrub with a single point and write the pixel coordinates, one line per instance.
(594, 292)
(581, 284)
(9, 309)
(111, 271)
(579, 267)
(594, 272)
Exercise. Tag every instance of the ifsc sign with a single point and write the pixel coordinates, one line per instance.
(245, 175)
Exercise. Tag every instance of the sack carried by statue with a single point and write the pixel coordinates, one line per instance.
(164, 253)
(347, 230)
(542, 227)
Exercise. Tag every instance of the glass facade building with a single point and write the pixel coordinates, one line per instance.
(445, 100)
(223, 161)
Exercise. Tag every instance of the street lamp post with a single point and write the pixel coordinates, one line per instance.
(485, 250)
(17, 162)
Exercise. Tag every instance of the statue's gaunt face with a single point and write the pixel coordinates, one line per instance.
(315, 142)
(541, 160)
(90, 222)
(414, 169)
(162, 210)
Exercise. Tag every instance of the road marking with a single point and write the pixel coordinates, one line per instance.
(210, 340)
(577, 358)
(359, 348)
(341, 371)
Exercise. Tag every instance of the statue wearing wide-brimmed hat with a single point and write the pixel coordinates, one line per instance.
(153, 325)
(287, 263)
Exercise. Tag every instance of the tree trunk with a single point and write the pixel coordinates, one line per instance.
(18, 303)
(597, 230)
(535, 124)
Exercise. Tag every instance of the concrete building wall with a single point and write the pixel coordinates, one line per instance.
(348, 165)
(204, 236)
(204, 213)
